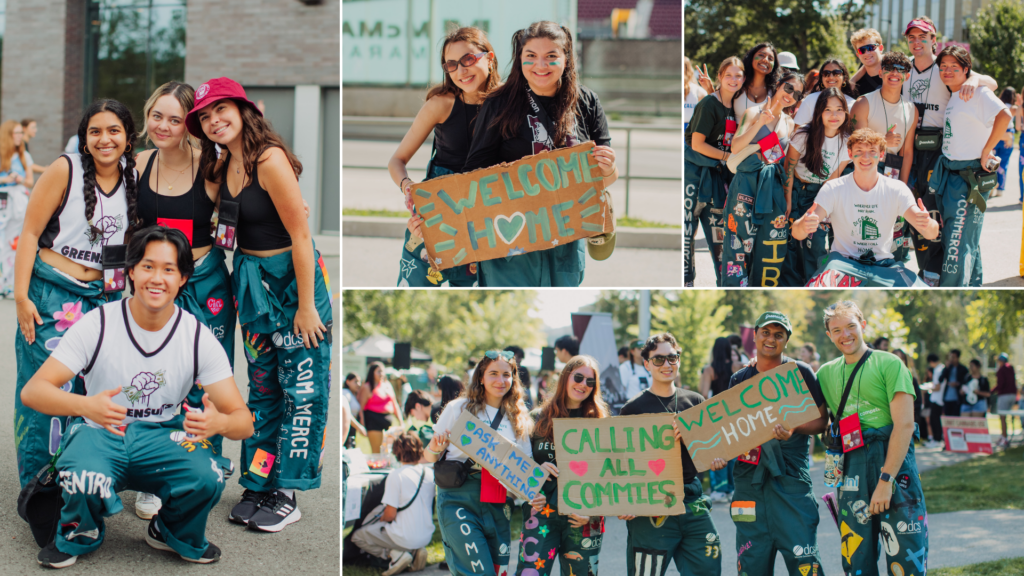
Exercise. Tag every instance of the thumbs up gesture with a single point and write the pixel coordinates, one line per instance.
(806, 224)
(922, 221)
(892, 139)
(203, 423)
(102, 410)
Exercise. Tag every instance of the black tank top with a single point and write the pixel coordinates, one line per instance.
(259, 224)
(453, 136)
(191, 212)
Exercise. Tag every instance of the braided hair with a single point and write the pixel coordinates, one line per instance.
(89, 165)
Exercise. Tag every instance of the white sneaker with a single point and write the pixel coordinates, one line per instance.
(718, 497)
(399, 562)
(1003, 442)
(419, 560)
(146, 505)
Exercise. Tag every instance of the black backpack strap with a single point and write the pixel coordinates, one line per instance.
(420, 485)
(195, 353)
(497, 419)
(99, 341)
(846, 393)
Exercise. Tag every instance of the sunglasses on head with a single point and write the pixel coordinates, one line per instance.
(659, 360)
(503, 354)
(468, 60)
(827, 73)
(902, 69)
(788, 89)
(579, 378)
(867, 48)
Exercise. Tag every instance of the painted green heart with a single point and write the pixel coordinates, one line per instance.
(465, 439)
(532, 482)
(470, 426)
(509, 227)
(537, 472)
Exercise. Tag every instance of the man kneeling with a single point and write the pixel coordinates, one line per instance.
(139, 358)
(864, 208)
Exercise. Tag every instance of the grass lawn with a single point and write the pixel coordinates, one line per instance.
(624, 222)
(987, 483)
(1007, 567)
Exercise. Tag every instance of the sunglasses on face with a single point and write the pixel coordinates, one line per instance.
(867, 48)
(468, 60)
(827, 73)
(503, 354)
(895, 68)
(579, 378)
(673, 359)
(788, 89)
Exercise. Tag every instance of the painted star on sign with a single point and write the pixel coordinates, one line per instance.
(554, 242)
(407, 267)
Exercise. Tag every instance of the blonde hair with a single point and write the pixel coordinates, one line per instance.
(866, 136)
(186, 98)
(845, 306)
(8, 149)
(865, 34)
(515, 410)
(687, 76)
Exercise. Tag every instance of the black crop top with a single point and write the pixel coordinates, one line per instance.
(259, 224)
(191, 212)
(453, 136)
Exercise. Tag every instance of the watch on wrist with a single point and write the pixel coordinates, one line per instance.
(885, 477)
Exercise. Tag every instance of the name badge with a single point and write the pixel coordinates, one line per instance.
(113, 258)
(850, 433)
(771, 148)
(228, 220)
(752, 457)
(893, 165)
(730, 129)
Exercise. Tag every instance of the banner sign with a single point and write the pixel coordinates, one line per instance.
(619, 465)
(494, 453)
(966, 434)
(535, 203)
(744, 417)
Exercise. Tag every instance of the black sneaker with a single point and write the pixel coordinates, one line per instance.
(156, 540)
(50, 557)
(250, 504)
(277, 511)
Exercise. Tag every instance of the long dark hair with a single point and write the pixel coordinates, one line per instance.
(131, 190)
(478, 38)
(1008, 95)
(815, 130)
(369, 375)
(512, 94)
(257, 135)
(451, 388)
(771, 80)
(847, 88)
(555, 407)
(721, 363)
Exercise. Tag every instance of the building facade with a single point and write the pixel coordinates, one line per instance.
(890, 17)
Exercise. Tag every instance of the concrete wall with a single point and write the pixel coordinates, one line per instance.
(264, 42)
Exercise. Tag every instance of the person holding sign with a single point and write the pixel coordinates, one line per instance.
(471, 71)
(817, 154)
(965, 174)
(690, 540)
(707, 142)
(871, 399)
(574, 538)
(864, 207)
(888, 112)
(542, 106)
(774, 507)
(473, 509)
(283, 299)
(756, 207)
(78, 212)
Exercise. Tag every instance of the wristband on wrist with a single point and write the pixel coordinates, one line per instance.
(432, 451)
(401, 185)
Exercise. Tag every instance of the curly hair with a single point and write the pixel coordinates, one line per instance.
(866, 136)
(555, 407)
(512, 402)
(652, 344)
(131, 190)
(408, 448)
(8, 149)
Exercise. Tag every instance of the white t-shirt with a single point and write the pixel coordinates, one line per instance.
(833, 154)
(862, 220)
(353, 402)
(939, 389)
(741, 102)
(152, 386)
(806, 112)
(413, 527)
(452, 412)
(968, 124)
(925, 88)
(635, 378)
(690, 102)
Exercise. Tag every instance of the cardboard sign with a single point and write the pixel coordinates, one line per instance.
(744, 417)
(535, 203)
(619, 465)
(966, 434)
(493, 452)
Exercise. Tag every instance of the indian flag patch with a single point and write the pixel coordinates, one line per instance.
(743, 512)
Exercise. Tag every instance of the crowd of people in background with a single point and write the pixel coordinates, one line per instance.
(828, 179)
(17, 177)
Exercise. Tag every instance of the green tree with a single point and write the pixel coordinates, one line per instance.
(937, 320)
(997, 41)
(888, 323)
(994, 319)
(624, 306)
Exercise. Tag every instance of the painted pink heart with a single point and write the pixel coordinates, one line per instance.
(580, 468)
(656, 466)
(215, 305)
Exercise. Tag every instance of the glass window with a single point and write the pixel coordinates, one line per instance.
(132, 47)
(948, 29)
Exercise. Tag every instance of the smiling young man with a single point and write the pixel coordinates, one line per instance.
(864, 208)
(774, 509)
(139, 358)
(690, 540)
(867, 45)
(880, 496)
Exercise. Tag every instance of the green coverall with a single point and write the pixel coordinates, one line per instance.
(476, 535)
(755, 217)
(961, 223)
(706, 182)
(690, 540)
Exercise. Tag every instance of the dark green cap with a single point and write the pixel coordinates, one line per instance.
(774, 317)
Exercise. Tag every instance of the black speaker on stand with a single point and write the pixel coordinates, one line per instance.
(403, 356)
(547, 358)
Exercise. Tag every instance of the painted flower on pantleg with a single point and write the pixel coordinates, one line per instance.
(70, 313)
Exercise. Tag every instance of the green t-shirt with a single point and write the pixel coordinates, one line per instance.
(879, 379)
(424, 430)
(709, 118)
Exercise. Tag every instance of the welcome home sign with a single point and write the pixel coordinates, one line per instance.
(620, 465)
(506, 462)
(536, 203)
(744, 417)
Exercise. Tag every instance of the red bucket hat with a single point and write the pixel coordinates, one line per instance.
(208, 93)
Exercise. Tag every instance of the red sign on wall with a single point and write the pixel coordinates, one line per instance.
(966, 434)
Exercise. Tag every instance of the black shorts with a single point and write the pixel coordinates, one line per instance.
(377, 422)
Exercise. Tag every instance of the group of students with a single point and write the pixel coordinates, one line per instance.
(479, 122)
(774, 510)
(100, 379)
(830, 195)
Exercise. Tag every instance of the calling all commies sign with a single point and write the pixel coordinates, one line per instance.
(536, 203)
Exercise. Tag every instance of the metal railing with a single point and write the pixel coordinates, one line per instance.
(624, 174)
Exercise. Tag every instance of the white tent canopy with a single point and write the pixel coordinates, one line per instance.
(378, 346)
